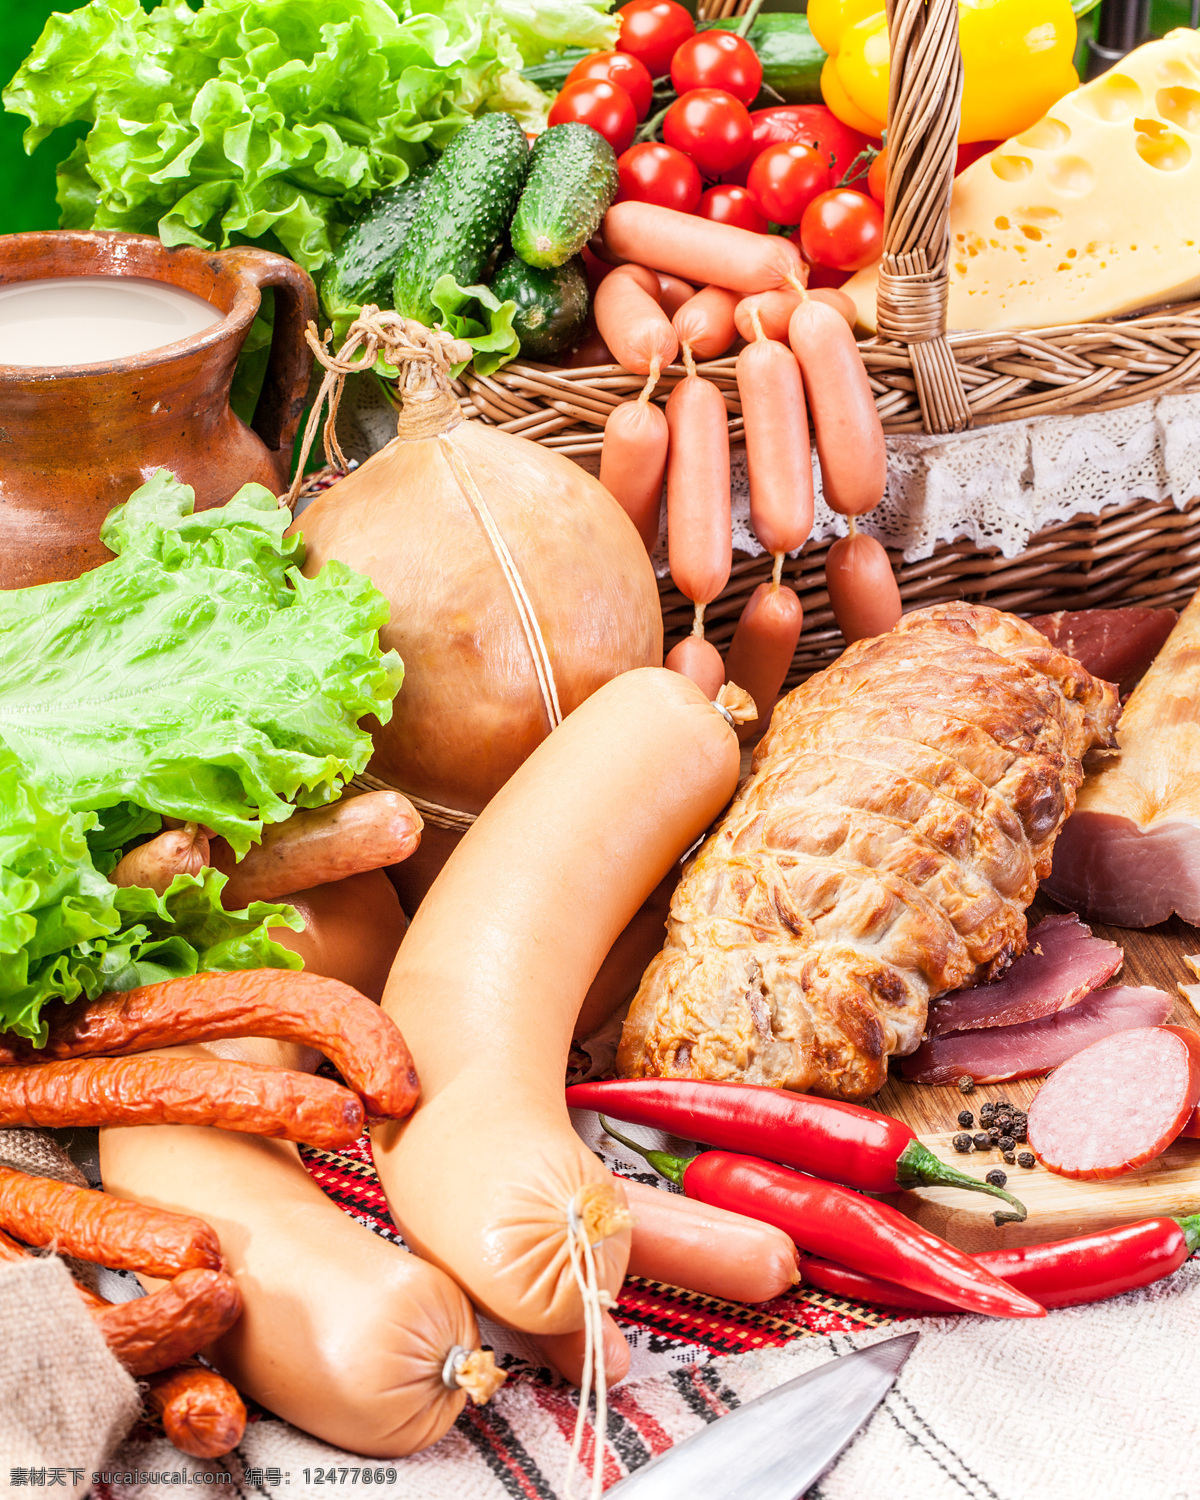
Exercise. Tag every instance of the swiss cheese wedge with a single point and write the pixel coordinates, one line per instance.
(1092, 212)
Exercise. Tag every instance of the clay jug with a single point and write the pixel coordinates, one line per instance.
(75, 440)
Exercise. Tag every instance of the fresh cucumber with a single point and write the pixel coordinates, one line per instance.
(791, 56)
(552, 303)
(572, 181)
(364, 266)
(551, 73)
(466, 209)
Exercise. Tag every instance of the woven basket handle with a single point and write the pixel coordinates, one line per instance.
(923, 112)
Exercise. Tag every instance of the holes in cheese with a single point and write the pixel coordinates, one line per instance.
(1043, 229)
(1161, 148)
(1011, 168)
(1113, 97)
(1052, 135)
(1071, 175)
(1181, 106)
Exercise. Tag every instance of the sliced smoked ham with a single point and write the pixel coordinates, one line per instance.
(1062, 963)
(1130, 853)
(1003, 1052)
(1116, 644)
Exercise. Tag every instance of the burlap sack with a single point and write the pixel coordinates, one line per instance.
(65, 1402)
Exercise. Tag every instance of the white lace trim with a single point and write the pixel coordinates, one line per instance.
(996, 487)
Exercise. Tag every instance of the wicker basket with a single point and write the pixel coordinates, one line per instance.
(926, 380)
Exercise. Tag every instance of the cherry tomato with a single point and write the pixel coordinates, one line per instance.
(651, 30)
(842, 229)
(623, 70)
(877, 176)
(712, 127)
(602, 105)
(785, 178)
(654, 173)
(718, 60)
(814, 126)
(728, 204)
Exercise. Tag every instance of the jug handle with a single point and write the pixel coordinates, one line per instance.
(285, 386)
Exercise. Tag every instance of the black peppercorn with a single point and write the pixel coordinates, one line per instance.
(966, 1084)
(981, 1142)
(1006, 1143)
(966, 1119)
(1020, 1133)
(1003, 1104)
(962, 1142)
(996, 1177)
(1009, 1158)
(1027, 1159)
(1003, 1123)
(994, 1135)
(987, 1113)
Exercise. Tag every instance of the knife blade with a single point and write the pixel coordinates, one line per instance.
(778, 1445)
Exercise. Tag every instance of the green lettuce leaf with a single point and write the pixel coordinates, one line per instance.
(199, 674)
(542, 26)
(66, 932)
(253, 117)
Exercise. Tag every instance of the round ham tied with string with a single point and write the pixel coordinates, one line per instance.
(1117, 1104)
(517, 585)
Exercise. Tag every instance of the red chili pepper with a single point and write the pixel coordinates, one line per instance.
(838, 1142)
(1063, 1273)
(838, 1224)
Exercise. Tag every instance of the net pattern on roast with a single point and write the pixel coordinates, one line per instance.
(902, 808)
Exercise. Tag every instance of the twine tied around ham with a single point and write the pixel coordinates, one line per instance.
(424, 358)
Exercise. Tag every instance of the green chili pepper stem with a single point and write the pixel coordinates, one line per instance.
(917, 1166)
(1191, 1232)
(666, 1165)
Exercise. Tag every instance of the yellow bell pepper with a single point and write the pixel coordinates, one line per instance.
(1016, 62)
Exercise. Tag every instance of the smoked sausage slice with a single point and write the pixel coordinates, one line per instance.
(181, 1091)
(361, 1042)
(1117, 1104)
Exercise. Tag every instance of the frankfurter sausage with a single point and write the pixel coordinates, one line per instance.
(707, 1250)
(700, 660)
(673, 293)
(486, 1174)
(862, 588)
(181, 1091)
(633, 460)
(700, 250)
(354, 1035)
(632, 323)
(849, 434)
(764, 643)
(201, 1413)
(319, 845)
(173, 1323)
(777, 453)
(705, 323)
(155, 864)
(699, 535)
(352, 929)
(564, 1352)
(775, 309)
(95, 1226)
(342, 1334)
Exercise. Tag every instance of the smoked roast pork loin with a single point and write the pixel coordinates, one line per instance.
(902, 809)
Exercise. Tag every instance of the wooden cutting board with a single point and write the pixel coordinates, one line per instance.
(1057, 1206)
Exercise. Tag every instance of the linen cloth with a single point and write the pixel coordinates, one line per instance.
(1085, 1404)
(65, 1402)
